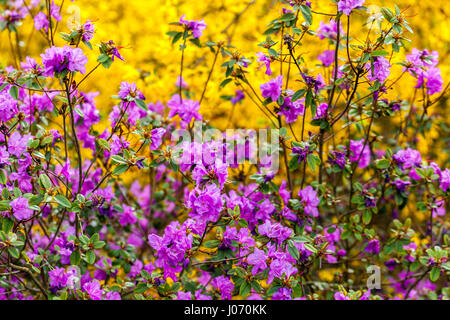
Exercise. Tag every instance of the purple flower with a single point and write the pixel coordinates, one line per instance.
(438, 210)
(129, 91)
(433, 79)
(338, 158)
(358, 154)
(310, 201)
(401, 185)
(340, 296)
(127, 216)
(280, 267)
(94, 290)
(58, 278)
(184, 296)
(328, 30)
(326, 57)
(63, 59)
(418, 59)
(112, 295)
(87, 30)
(17, 144)
(373, 247)
(258, 260)
(157, 135)
(196, 27)
(282, 294)
(181, 83)
(206, 203)
(238, 97)
(275, 231)
(303, 152)
(292, 110)
(113, 50)
(171, 248)
(224, 285)
(272, 89)
(266, 61)
(41, 19)
(390, 264)
(346, 6)
(445, 180)
(186, 109)
(20, 209)
(322, 111)
(408, 158)
(379, 70)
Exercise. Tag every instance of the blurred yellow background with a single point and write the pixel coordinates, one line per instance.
(140, 26)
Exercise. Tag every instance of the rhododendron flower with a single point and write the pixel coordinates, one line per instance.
(379, 70)
(432, 79)
(206, 203)
(329, 30)
(63, 59)
(274, 231)
(445, 180)
(310, 201)
(266, 62)
(326, 57)
(157, 135)
(322, 111)
(408, 158)
(238, 97)
(196, 27)
(181, 83)
(224, 285)
(373, 247)
(41, 19)
(357, 154)
(292, 110)
(94, 290)
(87, 30)
(347, 6)
(127, 216)
(186, 109)
(258, 260)
(272, 89)
(20, 209)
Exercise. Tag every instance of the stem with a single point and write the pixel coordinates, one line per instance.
(209, 76)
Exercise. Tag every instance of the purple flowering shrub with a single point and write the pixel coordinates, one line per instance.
(210, 225)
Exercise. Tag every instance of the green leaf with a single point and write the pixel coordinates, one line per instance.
(118, 159)
(90, 257)
(367, 217)
(14, 92)
(8, 225)
(245, 289)
(4, 205)
(383, 164)
(379, 53)
(435, 274)
(120, 169)
(292, 249)
(62, 200)
(75, 258)
(45, 181)
(3, 178)
(212, 244)
(104, 144)
(14, 252)
(298, 95)
(306, 12)
(141, 104)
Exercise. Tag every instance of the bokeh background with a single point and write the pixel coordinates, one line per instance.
(140, 26)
